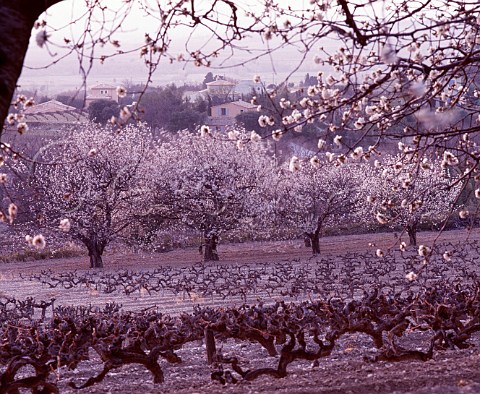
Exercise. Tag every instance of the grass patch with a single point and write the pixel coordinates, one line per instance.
(45, 254)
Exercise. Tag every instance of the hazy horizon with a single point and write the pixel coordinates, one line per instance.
(65, 75)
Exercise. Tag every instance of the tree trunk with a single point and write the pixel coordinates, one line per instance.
(95, 251)
(95, 258)
(210, 251)
(314, 241)
(412, 234)
(16, 22)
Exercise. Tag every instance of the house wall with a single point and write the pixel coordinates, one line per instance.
(230, 110)
(223, 115)
(101, 93)
(107, 93)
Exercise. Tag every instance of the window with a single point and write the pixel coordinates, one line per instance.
(223, 111)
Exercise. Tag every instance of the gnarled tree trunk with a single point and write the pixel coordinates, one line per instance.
(314, 239)
(95, 251)
(412, 234)
(210, 248)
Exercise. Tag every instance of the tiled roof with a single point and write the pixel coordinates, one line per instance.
(103, 86)
(54, 111)
(239, 103)
(99, 97)
(220, 82)
(55, 118)
(48, 107)
(245, 104)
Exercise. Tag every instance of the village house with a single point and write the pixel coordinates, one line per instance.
(101, 91)
(221, 88)
(223, 115)
(227, 90)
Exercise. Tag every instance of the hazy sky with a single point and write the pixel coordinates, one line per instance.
(66, 73)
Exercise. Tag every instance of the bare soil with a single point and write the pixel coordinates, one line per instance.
(345, 371)
(117, 257)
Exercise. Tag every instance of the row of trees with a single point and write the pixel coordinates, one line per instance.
(100, 185)
(397, 70)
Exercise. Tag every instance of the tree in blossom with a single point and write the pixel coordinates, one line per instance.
(216, 183)
(94, 184)
(406, 70)
(316, 194)
(408, 192)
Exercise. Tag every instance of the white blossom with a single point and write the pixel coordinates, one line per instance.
(449, 159)
(423, 250)
(12, 212)
(312, 91)
(315, 162)
(330, 156)
(233, 134)
(463, 214)
(359, 123)
(65, 225)
(240, 144)
(38, 241)
(381, 218)
(255, 137)
(22, 127)
(263, 120)
(330, 80)
(121, 91)
(411, 276)
(370, 109)
(125, 114)
(284, 103)
(205, 131)
(29, 239)
(297, 115)
(357, 152)
(294, 164)
(277, 135)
